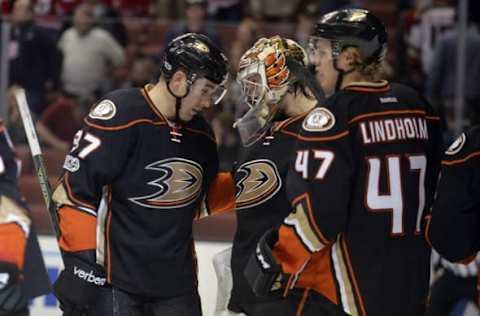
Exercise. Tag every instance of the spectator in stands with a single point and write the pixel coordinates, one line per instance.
(13, 120)
(195, 22)
(225, 10)
(440, 86)
(109, 18)
(59, 122)
(132, 7)
(248, 32)
(274, 10)
(141, 72)
(89, 53)
(34, 60)
(306, 19)
(431, 22)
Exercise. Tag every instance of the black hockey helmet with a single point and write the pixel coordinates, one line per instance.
(197, 56)
(354, 27)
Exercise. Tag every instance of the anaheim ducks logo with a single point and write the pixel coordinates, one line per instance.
(260, 181)
(179, 185)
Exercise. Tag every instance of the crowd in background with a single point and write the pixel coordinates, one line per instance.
(67, 54)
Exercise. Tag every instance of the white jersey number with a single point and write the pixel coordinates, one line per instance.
(93, 143)
(392, 201)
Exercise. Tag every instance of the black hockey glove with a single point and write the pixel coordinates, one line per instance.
(263, 273)
(77, 286)
(12, 299)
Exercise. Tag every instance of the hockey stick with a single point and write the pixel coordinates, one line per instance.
(37, 157)
(308, 79)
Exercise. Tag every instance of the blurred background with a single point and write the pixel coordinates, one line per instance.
(68, 53)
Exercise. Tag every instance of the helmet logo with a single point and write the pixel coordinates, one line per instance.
(200, 46)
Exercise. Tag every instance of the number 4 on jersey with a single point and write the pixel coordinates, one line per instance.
(301, 163)
(393, 200)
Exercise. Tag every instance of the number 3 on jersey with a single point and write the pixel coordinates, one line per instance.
(393, 201)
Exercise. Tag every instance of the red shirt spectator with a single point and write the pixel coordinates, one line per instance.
(62, 119)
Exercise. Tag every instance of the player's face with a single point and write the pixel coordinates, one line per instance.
(320, 53)
(202, 95)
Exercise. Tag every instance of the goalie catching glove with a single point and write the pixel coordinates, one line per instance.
(263, 273)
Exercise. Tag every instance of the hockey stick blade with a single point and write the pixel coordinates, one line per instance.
(308, 79)
(37, 157)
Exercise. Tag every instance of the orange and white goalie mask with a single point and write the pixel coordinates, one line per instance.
(265, 79)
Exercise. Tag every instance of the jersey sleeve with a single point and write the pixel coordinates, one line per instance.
(454, 225)
(318, 186)
(99, 152)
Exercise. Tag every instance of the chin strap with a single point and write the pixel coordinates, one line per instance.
(177, 123)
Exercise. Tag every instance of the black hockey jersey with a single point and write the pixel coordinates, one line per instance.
(362, 180)
(261, 199)
(131, 188)
(454, 226)
(18, 240)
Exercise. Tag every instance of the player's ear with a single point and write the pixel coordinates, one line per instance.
(348, 58)
(178, 83)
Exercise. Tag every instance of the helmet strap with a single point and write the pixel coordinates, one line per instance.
(178, 99)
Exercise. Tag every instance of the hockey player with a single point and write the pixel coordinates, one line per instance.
(137, 174)
(363, 176)
(22, 271)
(278, 101)
(454, 227)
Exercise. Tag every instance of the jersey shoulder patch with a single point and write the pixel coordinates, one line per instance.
(457, 145)
(121, 109)
(320, 119)
(464, 147)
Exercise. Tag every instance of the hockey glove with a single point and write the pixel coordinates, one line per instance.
(77, 285)
(263, 273)
(12, 299)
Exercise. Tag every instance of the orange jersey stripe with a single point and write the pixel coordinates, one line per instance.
(428, 218)
(12, 244)
(301, 306)
(124, 126)
(78, 230)
(384, 113)
(460, 161)
(316, 139)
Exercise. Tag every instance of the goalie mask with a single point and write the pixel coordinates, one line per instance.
(265, 79)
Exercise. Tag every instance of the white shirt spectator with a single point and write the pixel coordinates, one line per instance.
(423, 35)
(87, 58)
